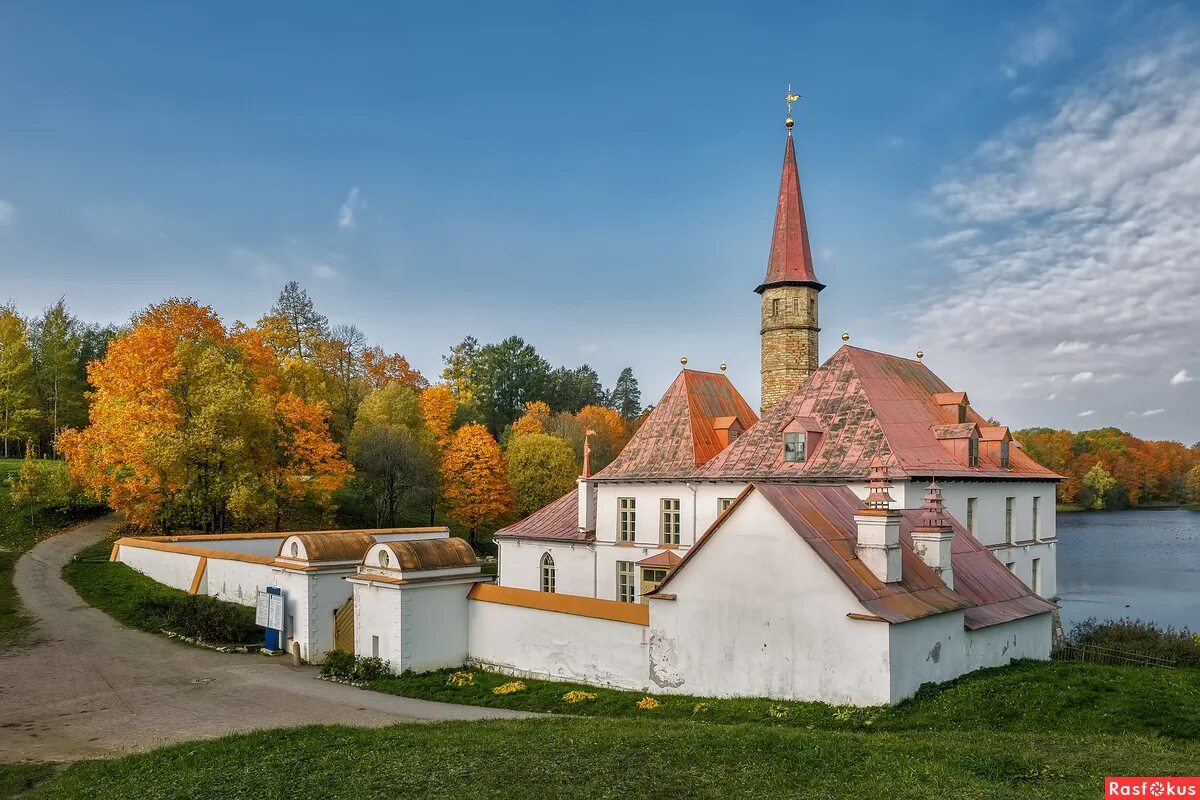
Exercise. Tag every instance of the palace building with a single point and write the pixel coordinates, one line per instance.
(866, 532)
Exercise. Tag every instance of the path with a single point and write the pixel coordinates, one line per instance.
(90, 687)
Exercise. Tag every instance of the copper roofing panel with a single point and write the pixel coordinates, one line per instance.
(665, 559)
(679, 436)
(823, 516)
(994, 433)
(426, 554)
(790, 260)
(960, 431)
(869, 404)
(950, 398)
(332, 546)
(559, 520)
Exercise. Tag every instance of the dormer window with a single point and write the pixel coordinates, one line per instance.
(1004, 454)
(973, 452)
(962, 413)
(733, 434)
(793, 446)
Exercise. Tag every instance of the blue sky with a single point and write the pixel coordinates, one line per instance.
(1006, 186)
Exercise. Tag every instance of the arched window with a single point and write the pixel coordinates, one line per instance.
(547, 573)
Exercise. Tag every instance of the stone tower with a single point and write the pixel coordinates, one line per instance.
(789, 294)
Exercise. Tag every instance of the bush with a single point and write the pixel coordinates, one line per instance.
(205, 618)
(349, 667)
(1135, 636)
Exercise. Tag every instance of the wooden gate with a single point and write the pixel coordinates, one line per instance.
(343, 627)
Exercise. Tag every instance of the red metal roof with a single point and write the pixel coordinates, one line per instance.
(680, 433)
(790, 261)
(823, 516)
(665, 559)
(869, 404)
(558, 520)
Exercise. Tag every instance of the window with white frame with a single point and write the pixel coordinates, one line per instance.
(723, 504)
(547, 583)
(793, 446)
(626, 519)
(670, 521)
(626, 591)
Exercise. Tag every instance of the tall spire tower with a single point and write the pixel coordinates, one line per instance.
(789, 292)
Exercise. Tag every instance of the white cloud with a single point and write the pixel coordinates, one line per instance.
(1070, 348)
(1088, 235)
(1181, 377)
(953, 238)
(350, 207)
(1149, 413)
(7, 213)
(1052, 395)
(1036, 47)
(1087, 413)
(324, 272)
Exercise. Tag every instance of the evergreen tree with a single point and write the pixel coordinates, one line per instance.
(507, 375)
(626, 397)
(56, 360)
(571, 389)
(18, 398)
(294, 326)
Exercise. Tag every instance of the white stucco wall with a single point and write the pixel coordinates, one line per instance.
(236, 581)
(997, 645)
(758, 614)
(173, 569)
(926, 650)
(377, 614)
(521, 561)
(547, 644)
(436, 625)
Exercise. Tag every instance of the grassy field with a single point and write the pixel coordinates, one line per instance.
(623, 758)
(143, 603)
(18, 534)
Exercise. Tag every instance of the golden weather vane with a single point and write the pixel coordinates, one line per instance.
(791, 98)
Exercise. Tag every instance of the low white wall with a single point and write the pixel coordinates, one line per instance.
(534, 643)
(927, 650)
(172, 569)
(256, 547)
(435, 616)
(236, 581)
(999, 644)
(377, 614)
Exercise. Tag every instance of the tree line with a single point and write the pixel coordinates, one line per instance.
(184, 422)
(1110, 469)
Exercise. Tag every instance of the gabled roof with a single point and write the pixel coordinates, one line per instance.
(557, 521)
(790, 261)
(681, 434)
(869, 404)
(665, 559)
(823, 516)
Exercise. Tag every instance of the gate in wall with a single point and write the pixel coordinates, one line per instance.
(343, 627)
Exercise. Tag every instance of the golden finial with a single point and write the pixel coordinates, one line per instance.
(920, 354)
(845, 337)
(791, 98)
(683, 361)
(724, 366)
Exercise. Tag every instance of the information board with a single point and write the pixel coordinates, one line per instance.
(262, 609)
(275, 612)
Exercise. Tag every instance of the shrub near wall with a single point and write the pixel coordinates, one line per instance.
(1141, 638)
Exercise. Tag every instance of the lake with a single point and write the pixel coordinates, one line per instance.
(1140, 564)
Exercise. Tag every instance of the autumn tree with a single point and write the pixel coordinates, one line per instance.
(534, 420)
(541, 468)
(381, 368)
(392, 469)
(1099, 481)
(34, 486)
(192, 425)
(438, 410)
(1193, 484)
(459, 372)
(476, 488)
(18, 402)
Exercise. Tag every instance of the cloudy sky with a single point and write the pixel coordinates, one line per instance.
(1013, 188)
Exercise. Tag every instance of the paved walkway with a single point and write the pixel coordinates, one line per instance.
(91, 688)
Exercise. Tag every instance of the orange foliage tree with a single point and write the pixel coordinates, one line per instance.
(534, 420)
(381, 368)
(475, 480)
(190, 425)
(438, 408)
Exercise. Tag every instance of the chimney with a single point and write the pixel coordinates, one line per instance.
(933, 537)
(879, 528)
(587, 504)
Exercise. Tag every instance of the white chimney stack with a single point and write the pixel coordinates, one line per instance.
(933, 538)
(879, 528)
(587, 504)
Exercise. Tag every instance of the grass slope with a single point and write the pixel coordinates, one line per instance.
(610, 758)
(140, 602)
(1027, 697)
(17, 534)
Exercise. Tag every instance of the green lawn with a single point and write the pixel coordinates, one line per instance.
(1027, 697)
(143, 603)
(623, 758)
(18, 534)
